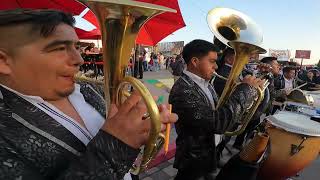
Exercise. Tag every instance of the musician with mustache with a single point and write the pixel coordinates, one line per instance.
(275, 91)
(194, 99)
(50, 126)
(283, 84)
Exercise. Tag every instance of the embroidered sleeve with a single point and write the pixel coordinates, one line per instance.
(106, 158)
(195, 113)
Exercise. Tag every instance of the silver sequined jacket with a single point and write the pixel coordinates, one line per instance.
(198, 121)
(33, 146)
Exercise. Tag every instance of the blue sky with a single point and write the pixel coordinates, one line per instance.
(286, 24)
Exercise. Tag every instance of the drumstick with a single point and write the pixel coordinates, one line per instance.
(299, 87)
(167, 137)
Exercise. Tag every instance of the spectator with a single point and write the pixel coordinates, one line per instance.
(177, 67)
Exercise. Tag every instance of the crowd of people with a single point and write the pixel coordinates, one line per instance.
(156, 62)
(138, 63)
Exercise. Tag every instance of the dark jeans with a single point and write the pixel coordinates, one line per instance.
(145, 65)
(138, 69)
(224, 142)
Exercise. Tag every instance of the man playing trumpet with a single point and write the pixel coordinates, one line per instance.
(193, 98)
(50, 127)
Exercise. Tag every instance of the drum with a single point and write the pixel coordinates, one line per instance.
(297, 95)
(295, 143)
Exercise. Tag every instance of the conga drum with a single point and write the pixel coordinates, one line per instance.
(295, 143)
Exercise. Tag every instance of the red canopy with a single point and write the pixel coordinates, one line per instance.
(64, 5)
(70, 6)
(151, 33)
(162, 25)
(93, 34)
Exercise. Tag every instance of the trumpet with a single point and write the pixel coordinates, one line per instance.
(264, 71)
(120, 22)
(237, 30)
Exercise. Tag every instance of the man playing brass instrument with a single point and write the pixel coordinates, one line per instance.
(50, 127)
(193, 98)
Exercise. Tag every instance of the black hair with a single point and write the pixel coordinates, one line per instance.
(197, 48)
(43, 21)
(268, 60)
(227, 52)
(288, 69)
(219, 44)
(154, 56)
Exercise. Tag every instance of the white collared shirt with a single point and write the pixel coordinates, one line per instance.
(288, 83)
(229, 65)
(203, 84)
(91, 118)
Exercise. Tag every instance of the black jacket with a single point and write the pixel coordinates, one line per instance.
(279, 82)
(29, 154)
(279, 93)
(177, 67)
(198, 122)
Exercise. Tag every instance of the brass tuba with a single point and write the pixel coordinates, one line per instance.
(120, 22)
(238, 31)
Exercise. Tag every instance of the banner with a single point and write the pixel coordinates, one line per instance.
(170, 47)
(282, 55)
(303, 54)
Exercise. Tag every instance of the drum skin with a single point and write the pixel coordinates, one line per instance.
(280, 164)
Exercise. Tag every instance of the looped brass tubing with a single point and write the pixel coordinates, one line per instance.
(240, 32)
(120, 22)
(156, 139)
